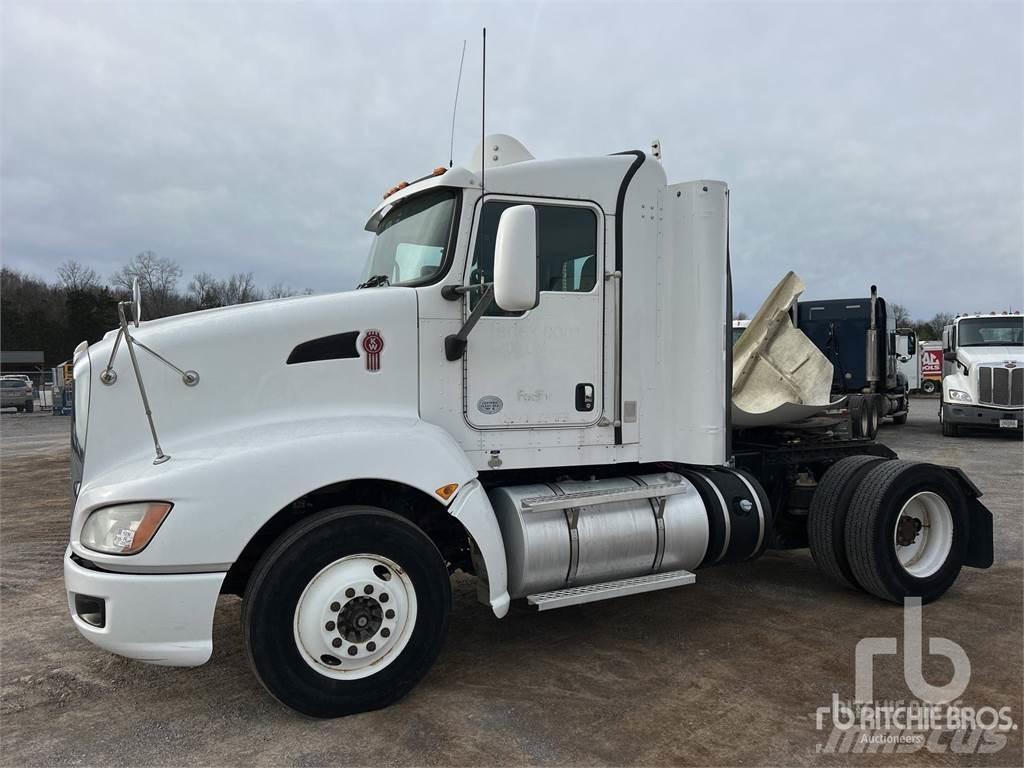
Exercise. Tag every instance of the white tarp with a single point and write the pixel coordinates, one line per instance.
(778, 375)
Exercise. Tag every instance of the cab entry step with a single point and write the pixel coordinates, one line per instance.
(560, 598)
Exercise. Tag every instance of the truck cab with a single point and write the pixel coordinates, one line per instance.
(983, 372)
(532, 386)
(861, 340)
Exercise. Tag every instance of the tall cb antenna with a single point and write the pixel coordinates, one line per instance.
(455, 109)
(483, 113)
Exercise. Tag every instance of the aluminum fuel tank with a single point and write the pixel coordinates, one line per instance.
(588, 539)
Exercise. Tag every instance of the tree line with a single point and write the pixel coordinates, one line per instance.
(81, 306)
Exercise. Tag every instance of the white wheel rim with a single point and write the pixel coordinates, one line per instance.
(355, 616)
(923, 534)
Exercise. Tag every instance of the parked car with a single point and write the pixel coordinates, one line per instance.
(16, 392)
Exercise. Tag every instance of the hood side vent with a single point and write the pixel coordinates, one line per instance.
(338, 346)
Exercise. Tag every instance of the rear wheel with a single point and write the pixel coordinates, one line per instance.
(928, 387)
(860, 419)
(346, 612)
(873, 410)
(30, 406)
(906, 531)
(826, 524)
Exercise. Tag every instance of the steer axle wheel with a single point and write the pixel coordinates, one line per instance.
(346, 612)
(906, 531)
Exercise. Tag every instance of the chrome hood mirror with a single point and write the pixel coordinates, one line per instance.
(136, 302)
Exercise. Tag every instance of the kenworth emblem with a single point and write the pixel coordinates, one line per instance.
(1010, 364)
(373, 345)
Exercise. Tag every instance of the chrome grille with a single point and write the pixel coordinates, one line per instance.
(1000, 386)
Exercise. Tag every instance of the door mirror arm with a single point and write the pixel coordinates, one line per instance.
(455, 343)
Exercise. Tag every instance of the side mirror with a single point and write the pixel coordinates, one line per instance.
(515, 259)
(136, 302)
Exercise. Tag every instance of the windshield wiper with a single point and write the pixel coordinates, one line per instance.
(375, 282)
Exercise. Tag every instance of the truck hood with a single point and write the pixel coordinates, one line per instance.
(260, 363)
(971, 356)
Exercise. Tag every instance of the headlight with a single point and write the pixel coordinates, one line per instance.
(960, 397)
(123, 529)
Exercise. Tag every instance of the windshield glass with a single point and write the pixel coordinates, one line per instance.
(1005, 331)
(412, 239)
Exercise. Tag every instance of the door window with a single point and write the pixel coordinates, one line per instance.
(566, 249)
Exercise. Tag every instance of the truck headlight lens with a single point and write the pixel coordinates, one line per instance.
(123, 529)
(958, 396)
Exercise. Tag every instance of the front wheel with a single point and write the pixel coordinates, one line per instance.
(346, 612)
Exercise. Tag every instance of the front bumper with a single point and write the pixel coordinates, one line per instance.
(157, 618)
(978, 416)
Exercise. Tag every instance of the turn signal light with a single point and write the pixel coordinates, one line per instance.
(447, 491)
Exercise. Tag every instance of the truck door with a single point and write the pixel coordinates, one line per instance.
(543, 367)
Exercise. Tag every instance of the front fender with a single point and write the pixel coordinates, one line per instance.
(224, 487)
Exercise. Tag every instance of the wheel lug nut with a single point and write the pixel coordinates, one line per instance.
(352, 650)
(329, 626)
(371, 646)
(389, 613)
(335, 607)
(368, 589)
(385, 632)
(336, 642)
(384, 597)
(350, 592)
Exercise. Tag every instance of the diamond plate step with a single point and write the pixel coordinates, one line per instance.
(560, 598)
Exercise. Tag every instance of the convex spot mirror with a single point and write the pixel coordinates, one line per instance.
(515, 259)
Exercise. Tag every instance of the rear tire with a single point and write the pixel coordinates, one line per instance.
(826, 524)
(346, 612)
(900, 418)
(891, 555)
(860, 422)
(874, 412)
(30, 407)
(928, 387)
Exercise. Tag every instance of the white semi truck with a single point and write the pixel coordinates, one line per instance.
(983, 372)
(533, 388)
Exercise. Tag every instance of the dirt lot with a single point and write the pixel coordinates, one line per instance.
(729, 671)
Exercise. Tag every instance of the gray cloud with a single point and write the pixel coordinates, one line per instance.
(862, 143)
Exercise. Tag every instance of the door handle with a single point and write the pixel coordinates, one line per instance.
(584, 397)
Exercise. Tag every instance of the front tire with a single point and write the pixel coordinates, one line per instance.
(906, 531)
(346, 612)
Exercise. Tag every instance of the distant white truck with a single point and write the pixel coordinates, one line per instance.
(533, 387)
(983, 372)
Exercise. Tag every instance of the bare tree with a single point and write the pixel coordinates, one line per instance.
(241, 288)
(937, 323)
(158, 279)
(206, 291)
(279, 291)
(77, 277)
(901, 315)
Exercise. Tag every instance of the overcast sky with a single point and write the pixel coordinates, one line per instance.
(862, 143)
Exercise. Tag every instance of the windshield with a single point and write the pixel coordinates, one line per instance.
(412, 239)
(1005, 331)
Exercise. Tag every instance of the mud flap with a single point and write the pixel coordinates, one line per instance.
(979, 533)
(979, 537)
